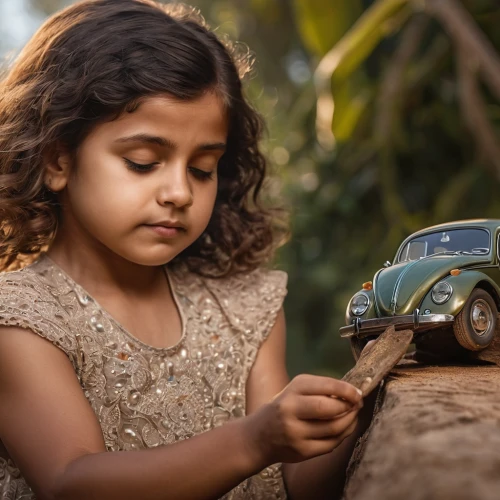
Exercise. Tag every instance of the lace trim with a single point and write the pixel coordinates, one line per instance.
(26, 302)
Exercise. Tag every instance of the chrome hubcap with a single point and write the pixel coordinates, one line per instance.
(480, 316)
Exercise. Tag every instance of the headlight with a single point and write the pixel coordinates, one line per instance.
(359, 304)
(441, 293)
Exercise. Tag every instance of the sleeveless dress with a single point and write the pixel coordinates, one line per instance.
(146, 396)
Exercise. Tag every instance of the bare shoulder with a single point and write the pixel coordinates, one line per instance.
(44, 412)
(268, 375)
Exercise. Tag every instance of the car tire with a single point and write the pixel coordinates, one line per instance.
(357, 345)
(475, 324)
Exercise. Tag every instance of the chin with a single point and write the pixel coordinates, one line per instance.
(153, 257)
(149, 253)
(153, 261)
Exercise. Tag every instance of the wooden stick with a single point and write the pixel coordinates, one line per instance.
(376, 362)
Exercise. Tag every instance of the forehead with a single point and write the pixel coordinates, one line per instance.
(202, 119)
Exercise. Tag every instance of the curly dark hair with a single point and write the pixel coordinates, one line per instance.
(95, 60)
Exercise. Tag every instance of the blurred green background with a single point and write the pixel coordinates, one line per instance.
(382, 119)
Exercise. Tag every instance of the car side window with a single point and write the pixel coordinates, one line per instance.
(498, 248)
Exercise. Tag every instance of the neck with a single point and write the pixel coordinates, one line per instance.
(99, 270)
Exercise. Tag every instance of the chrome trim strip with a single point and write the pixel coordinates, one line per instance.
(357, 325)
(479, 266)
(378, 325)
(416, 318)
(397, 286)
(375, 287)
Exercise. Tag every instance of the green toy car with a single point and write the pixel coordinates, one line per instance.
(444, 277)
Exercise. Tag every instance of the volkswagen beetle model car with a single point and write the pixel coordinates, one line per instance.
(442, 276)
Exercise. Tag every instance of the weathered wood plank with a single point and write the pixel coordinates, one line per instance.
(435, 435)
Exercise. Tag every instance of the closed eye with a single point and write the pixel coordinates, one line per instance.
(139, 167)
(202, 175)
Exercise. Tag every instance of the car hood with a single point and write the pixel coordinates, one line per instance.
(399, 289)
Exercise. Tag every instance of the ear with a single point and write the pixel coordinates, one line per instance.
(58, 162)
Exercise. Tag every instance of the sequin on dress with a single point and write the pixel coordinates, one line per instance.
(146, 396)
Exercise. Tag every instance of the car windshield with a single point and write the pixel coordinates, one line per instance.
(456, 241)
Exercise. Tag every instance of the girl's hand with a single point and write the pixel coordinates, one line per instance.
(310, 417)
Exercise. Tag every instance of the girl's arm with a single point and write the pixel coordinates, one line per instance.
(53, 435)
(319, 477)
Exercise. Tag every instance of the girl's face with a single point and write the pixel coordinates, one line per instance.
(145, 184)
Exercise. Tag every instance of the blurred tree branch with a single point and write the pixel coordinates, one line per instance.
(455, 190)
(392, 86)
(387, 120)
(468, 37)
(475, 56)
(424, 69)
(475, 113)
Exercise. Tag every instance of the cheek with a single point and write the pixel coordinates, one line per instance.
(206, 195)
(97, 200)
(203, 207)
(211, 201)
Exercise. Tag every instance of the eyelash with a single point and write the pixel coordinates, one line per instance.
(142, 168)
(138, 167)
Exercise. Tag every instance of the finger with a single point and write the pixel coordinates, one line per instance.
(355, 407)
(317, 385)
(348, 431)
(332, 428)
(321, 407)
(322, 446)
(326, 445)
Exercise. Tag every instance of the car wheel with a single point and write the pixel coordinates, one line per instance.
(357, 345)
(475, 324)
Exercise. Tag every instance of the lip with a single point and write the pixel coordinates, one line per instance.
(167, 229)
(168, 223)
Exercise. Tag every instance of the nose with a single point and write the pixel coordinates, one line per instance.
(176, 188)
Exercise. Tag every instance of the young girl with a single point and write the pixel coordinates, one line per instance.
(142, 342)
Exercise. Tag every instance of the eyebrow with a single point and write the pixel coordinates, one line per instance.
(167, 143)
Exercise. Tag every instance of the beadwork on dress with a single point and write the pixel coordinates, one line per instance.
(146, 396)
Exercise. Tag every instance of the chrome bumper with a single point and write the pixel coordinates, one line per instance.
(415, 322)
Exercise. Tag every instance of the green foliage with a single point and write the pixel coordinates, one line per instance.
(404, 156)
(321, 24)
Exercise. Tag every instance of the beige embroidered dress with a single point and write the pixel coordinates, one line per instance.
(145, 396)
